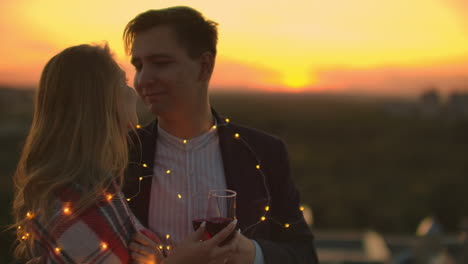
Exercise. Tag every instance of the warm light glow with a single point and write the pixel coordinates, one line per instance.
(227, 120)
(168, 236)
(138, 126)
(168, 171)
(141, 178)
(161, 247)
(29, 215)
(263, 218)
(104, 246)
(168, 247)
(185, 141)
(301, 208)
(109, 197)
(145, 165)
(179, 196)
(237, 136)
(297, 79)
(286, 225)
(128, 199)
(282, 46)
(258, 166)
(19, 227)
(67, 210)
(214, 127)
(57, 250)
(25, 236)
(267, 208)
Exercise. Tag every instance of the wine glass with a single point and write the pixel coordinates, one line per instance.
(221, 211)
(199, 210)
(217, 208)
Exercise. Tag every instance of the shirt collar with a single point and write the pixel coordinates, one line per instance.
(187, 144)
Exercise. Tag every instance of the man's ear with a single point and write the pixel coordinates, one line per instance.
(207, 62)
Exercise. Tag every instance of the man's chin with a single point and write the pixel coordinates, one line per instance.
(157, 109)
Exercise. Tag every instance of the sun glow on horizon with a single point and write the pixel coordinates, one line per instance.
(295, 44)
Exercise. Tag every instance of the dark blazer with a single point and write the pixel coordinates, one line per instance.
(271, 185)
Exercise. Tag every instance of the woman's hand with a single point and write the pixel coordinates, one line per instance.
(144, 248)
(194, 250)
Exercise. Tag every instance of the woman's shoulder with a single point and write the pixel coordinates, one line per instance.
(102, 230)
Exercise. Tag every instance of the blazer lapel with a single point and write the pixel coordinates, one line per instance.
(241, 174)
(143, 160)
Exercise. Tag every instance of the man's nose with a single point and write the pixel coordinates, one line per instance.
(144, 81)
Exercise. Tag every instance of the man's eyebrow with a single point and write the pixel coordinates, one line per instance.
(151, 57)
(158, 56)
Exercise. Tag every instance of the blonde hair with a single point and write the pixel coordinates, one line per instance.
(78, 135)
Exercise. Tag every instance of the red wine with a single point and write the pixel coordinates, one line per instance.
(213, 226)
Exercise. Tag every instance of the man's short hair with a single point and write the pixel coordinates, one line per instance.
(194, 32)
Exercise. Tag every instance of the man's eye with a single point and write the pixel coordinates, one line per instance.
(161, 63)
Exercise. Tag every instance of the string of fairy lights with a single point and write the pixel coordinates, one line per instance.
(67, 206)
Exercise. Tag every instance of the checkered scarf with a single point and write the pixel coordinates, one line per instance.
(100, 234)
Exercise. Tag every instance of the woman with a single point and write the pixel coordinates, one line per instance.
(68, 206)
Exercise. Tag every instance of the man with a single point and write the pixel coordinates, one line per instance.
(191, 149)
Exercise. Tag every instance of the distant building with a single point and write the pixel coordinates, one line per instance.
(15, 100)
(457, 105)
(429, 104)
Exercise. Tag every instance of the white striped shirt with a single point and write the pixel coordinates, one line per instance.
(180, 171)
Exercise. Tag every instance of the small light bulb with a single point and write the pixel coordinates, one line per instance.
(286, 225)
(168, 247)
(168, 171)
(267, 208)
(237, 136)
(24, 237)
(161, 247)
(214, 127)
(185, 141)
(179, 196)
(258, 166)
(19, 227)
(29, 215)
(301, 208)
(103, 246)
(263, 218)
(138, 126)
(141, 178)
(145, 165)
(109, 197)
(57, 250)
(66, 210)
(168, 236)
(227, 120)
(128, 199)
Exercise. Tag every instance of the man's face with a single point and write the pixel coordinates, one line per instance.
(166, 78)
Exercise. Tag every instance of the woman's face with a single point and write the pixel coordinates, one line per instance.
(129, 107)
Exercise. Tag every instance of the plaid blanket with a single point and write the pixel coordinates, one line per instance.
(100, 234)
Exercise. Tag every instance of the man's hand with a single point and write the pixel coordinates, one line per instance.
(244, 250)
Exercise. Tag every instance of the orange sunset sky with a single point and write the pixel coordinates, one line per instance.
(394, 47)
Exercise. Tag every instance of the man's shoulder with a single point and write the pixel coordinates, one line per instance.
(254, 135)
